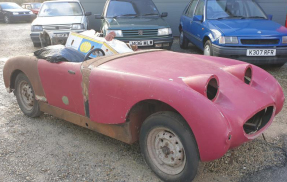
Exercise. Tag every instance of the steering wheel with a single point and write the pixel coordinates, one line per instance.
(94, 50)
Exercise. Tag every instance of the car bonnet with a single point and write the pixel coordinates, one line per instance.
(248, 27)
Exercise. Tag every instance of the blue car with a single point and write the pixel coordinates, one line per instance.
(237, 29)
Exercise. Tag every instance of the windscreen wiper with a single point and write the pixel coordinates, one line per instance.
(256, 17)
(150, 14)
(135, 15)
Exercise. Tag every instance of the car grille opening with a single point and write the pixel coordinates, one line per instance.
(140, 33)
(258, 121)
(259, 41)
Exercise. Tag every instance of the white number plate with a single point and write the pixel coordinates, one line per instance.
(142, 43)
(261, 52)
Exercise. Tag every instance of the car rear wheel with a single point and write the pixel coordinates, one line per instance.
(168, 146)
(7, 19)
(25, 96)
(183, 42)
(208, 48)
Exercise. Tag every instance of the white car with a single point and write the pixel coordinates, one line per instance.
(58, 18)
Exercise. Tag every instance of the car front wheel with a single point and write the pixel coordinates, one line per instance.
(208, 51)
(26, 97)
(183, 42)
(169, 148)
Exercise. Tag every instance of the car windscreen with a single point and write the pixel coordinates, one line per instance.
(36, 5)
(225, 9)
(125, 8)
(10, 6)
(61, 9)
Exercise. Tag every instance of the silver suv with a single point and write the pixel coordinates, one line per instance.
(57, 19)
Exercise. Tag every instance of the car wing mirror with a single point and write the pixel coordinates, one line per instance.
(269, 17)
(98, 16)
(198, 18)
(88, 13)
(164, 14)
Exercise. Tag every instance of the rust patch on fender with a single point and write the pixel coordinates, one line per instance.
(29, 66)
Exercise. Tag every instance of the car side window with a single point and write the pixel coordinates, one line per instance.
(191, 8)
(200, 8)
(23, 6)
(29, 7)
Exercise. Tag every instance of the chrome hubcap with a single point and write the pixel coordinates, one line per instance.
(166, 150)
(26, 95)
(207, 50)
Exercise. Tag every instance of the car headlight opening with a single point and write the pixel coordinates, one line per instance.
(36, 28)
(77, 26)
(15, 13)
(164, 31)
(212, 88)
(284, 40)
(118, 33)
(248, 75)
(228, 40)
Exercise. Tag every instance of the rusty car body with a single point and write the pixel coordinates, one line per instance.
(218, 103)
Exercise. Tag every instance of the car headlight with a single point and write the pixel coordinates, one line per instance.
(36, 28)
(77, 26)
(15, 13)
(228, 40)
(284, 40)
(30, 12)
(164, 31)
(118, 33)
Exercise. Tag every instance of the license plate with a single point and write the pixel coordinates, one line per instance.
(261, 52)
(142, 43)
(61, 35)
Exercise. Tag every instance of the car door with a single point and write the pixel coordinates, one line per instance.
(196, 27)
(187, 20)
(62, 83)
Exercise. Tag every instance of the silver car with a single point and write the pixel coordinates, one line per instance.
(56, 19)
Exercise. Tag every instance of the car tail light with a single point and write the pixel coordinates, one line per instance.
(241, 71)
(207, 85)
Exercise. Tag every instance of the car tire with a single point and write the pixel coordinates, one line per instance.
(37, 44)
(183, 41)
(169, 147)
(7, 19)
(26, 97)
(207, 49)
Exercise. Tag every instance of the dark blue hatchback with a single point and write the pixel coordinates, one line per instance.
(237, 29)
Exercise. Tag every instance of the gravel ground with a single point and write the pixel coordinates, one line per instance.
(50, 149)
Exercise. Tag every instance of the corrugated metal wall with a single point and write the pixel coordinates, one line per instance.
(278, 8)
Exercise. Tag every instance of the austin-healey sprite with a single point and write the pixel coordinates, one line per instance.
(182, 108)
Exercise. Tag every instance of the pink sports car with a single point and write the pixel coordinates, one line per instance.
(181, 107)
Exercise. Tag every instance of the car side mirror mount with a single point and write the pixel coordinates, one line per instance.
(98, 16)
(198, 18)
(164, 14)
(88, 13)
(269, 17)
